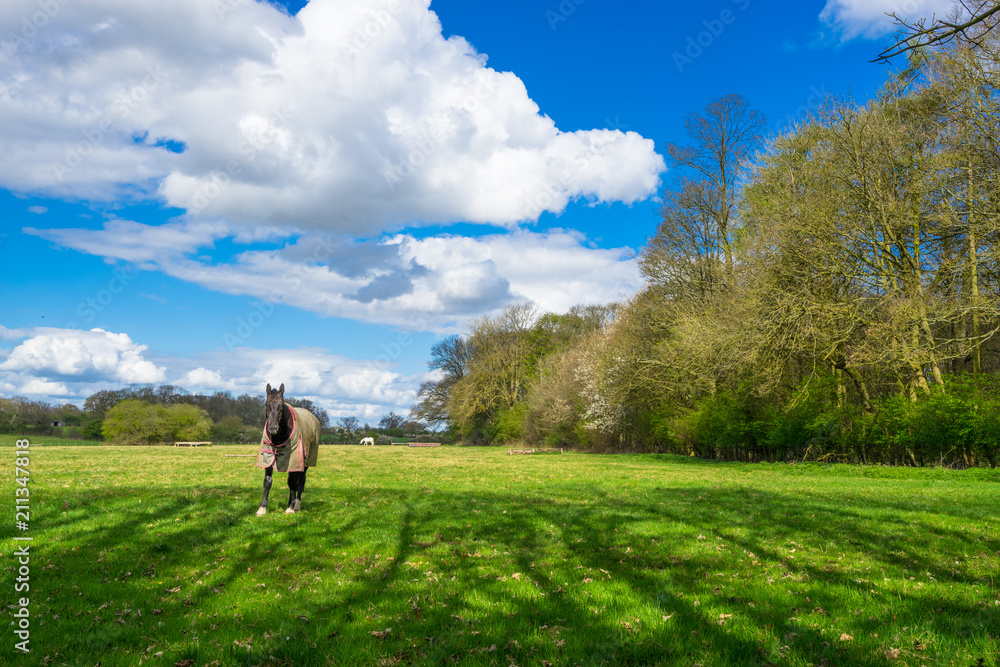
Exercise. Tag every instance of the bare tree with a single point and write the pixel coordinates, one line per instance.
(349, 424)
(698, 227)
(686, 257)
(450, 357)
(970, 22)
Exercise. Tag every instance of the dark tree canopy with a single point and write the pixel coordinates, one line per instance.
(349, 424)
(392, 420)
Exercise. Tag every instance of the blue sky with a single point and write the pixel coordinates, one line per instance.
(222, 194)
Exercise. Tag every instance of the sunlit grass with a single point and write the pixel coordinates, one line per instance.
(432, 555)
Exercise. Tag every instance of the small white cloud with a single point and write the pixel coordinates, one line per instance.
(203, 379)
(870, 18)
(39, 387)
(135, 242)
(37, 209)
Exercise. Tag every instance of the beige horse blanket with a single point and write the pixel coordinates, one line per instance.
(297, 453)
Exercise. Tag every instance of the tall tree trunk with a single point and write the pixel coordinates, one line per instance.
(840, 389)
(924, 321)
(866, 400)
(974, 283)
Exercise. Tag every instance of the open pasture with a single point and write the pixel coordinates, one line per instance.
(403, 555)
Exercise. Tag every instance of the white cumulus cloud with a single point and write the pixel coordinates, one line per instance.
(203, 379)
(353, 117)
(433, 283)
(50, 357)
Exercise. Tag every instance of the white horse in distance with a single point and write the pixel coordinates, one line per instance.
(368, 441)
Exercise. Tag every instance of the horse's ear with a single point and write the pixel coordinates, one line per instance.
(281, 389)
(268, 390)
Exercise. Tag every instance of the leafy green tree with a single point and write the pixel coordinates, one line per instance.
(24, 416)
(866, 245)
(821, 304)
(184, 422)
(132, 422)
(503, 358)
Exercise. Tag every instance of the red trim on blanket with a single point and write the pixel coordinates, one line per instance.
(302, 456)
(266, 440)
(271, 446)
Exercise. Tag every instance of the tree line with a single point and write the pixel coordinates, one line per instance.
(143, 414)
(830, 293)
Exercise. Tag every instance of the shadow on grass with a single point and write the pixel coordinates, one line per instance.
(386, 576)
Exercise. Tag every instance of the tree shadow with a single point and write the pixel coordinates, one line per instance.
(485, 577)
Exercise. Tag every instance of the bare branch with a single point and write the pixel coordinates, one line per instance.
(914, 36)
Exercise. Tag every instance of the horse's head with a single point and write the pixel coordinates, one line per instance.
(273, 406)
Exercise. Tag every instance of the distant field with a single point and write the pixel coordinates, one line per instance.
(52, 440)
(431, 556)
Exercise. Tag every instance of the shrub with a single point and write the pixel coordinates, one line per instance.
(508, 425)
(723, 427)
(444, 437)
(93, 429)
(738, 425)
(230, 429)
(960, 424)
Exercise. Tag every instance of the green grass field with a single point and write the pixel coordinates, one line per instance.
(439, 555)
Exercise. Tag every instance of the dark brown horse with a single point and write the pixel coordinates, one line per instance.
(290, 443)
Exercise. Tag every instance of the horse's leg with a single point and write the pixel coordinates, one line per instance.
(298, 492)
(293, 484)
(267, 489)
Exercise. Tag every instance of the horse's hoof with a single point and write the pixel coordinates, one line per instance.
(261, 511)
(289, 510)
